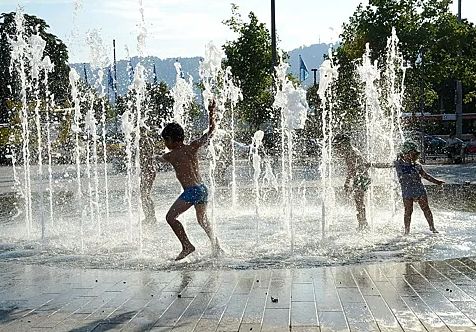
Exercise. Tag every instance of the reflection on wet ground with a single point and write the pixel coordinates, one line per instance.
(418, 296)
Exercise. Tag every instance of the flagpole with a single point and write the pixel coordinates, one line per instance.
(85, 73)
(115, 70)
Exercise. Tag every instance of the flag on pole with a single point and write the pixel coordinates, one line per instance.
(85, 73)
(155, 75)
(303, 72)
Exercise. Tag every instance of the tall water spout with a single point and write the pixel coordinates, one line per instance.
(19, 48)
(50, 105)
(292, 104)
(234, 95)
(76, 129)
(210, 74)
(327, 76)
(183, 95)
(256, 143)
(36, 47)
(382, 104)
(98, 61)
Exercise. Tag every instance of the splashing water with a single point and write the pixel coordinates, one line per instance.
(116, 245)
(328, 73)
(256, 143)
(19, 48)
(292, 104)
(98, 60)
(183, 96)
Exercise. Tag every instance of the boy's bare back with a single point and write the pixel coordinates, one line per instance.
(184, 157)
(185, 163)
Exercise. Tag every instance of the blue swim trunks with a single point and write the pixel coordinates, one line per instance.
(195, 195)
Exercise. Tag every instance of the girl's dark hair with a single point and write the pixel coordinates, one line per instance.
(173, 131)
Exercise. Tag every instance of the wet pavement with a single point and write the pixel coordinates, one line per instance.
(416, 296)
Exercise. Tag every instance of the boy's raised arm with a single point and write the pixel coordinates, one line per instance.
(211, 126)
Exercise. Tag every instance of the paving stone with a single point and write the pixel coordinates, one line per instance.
(417, 296)
(275, 320)
(333, 321)
(303, 314)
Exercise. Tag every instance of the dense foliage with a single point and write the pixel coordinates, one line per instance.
(250, 59)
(55, 49)
(438, 48)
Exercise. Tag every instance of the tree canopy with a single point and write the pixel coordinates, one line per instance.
(250, 59)
(438, 48)
(55, 49)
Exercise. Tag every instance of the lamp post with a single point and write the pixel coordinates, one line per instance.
(273, 34)
(459, 92)
(314, 71)
(421, 103)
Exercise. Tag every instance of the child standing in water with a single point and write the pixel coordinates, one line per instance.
(184, 160)
(410, 172)
(357, 178)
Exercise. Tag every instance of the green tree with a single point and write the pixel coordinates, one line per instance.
(55, 49)
(158, 102)
(427, 30)
(250, 59)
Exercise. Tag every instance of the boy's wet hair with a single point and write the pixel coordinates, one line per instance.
(174, 131)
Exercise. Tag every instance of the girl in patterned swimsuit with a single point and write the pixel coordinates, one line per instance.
(410, 172)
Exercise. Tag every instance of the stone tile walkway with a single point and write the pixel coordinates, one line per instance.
(418, 296)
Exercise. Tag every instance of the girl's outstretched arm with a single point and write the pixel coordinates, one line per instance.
(380, 165)
(430, 178)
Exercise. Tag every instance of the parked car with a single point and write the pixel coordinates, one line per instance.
(434, 145)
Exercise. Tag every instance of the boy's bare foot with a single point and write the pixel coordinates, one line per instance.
(407, 231)
(433, 229)
(185, 252)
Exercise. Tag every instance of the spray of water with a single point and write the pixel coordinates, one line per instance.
(291, 102)
(19, 48)
(327, 76)
(256, 143)
(210, 73)
(50, 105)
(233, 95)
(98, 61)
(183, 95)
(382, 102)
(76, 129)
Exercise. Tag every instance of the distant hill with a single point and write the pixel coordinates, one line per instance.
(312, 56)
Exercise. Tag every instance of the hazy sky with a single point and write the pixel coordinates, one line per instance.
(183, 27)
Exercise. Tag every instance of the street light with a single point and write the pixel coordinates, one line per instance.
(459, 92)
(314, 71)
(419, 64)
